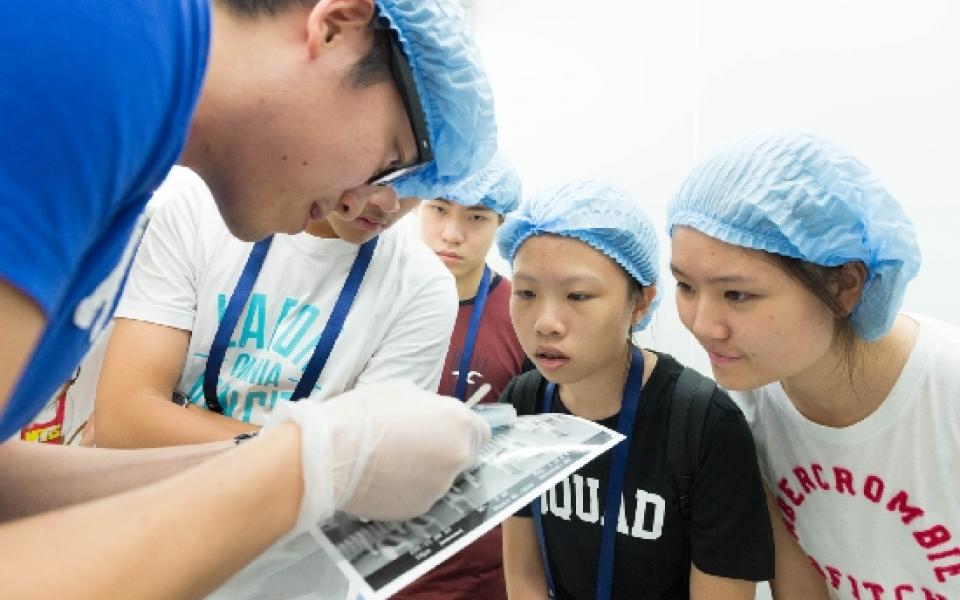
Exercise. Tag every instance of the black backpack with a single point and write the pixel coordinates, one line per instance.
(688, 412)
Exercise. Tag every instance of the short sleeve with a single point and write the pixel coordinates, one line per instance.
(730, 534)
(162, 285)
(93, 118)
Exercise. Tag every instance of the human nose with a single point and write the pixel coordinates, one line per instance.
(385, 198)
(706, 320)
(549, 322)
(452, 233)
(353, 201)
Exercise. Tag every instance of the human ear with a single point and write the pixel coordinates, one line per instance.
(330, 21)
(849, 283)
(642, 300)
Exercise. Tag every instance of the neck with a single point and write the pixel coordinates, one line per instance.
(218, 86)
(469, 283)
(836, 394)
(600, 394)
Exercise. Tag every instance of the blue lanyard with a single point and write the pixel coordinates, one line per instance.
(331, 331)
(618, 470)
(471, 340)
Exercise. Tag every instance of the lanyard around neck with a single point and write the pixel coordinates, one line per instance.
(471, 340)
(618, 469)
(328, 337)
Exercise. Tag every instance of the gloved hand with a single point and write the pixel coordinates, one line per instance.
(384, 451)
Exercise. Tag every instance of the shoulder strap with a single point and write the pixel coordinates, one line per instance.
(688, 411)
(526, 390)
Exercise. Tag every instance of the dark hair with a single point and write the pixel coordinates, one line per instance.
(818, 280)
(373, 67)
(252, 8)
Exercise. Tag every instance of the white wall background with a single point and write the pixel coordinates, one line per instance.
(637, 92)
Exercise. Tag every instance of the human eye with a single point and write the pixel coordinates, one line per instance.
(684, 288)
(579, 296)
(438, 209)
(524, 294)
(478, 218)
(738, 297)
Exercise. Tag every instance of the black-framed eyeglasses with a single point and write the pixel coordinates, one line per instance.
(403, 77)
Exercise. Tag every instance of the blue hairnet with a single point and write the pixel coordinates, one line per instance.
(801, 196)
(454, 91)
(599, 214)
(497, 186)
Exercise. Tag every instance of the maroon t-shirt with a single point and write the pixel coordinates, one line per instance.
(497, 355)
(477, 570)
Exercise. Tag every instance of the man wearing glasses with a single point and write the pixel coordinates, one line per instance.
(287, 111)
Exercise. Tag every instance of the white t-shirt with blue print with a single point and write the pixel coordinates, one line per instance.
(189, 263)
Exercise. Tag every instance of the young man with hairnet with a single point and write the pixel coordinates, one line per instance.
(460, 228)
(288, 110)
(154, 387)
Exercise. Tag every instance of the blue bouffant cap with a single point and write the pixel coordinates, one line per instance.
(456, 96)
(801, 196)
(596, 213)
(497, 186)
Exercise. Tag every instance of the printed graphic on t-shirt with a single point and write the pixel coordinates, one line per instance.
(577, 498)
(265, 356)
(474, 378)
(47, 427)
(933, 542)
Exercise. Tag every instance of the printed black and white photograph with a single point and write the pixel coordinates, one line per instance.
(519, 462)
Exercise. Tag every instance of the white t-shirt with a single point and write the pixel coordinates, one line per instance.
(188, 264)
(399, 327)
(875, 505)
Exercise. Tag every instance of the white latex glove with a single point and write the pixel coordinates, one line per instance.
(384, 451)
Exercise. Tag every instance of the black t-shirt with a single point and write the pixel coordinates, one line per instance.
(728, 534)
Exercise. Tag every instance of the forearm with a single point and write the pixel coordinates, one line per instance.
(711, 587)
(795, 578)
(152, 421)
(141, 367)
(36, 478)
(178, 538)
(522, 563)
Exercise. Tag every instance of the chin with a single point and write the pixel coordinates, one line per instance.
(738, 383)
(241, 229)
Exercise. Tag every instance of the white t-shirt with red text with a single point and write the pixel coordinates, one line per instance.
(875, 505)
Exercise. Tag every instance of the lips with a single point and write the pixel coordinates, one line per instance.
(719, 358)
(550, 358)
(449, 256)
(368, 223)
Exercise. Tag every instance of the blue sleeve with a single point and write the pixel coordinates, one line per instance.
(95, 103)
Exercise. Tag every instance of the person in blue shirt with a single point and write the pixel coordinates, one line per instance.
(289, 110)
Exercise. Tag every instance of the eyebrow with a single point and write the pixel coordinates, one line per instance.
(572, 279)
(716, 278)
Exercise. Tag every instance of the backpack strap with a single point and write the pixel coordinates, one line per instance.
(691, 399)
(527, 386)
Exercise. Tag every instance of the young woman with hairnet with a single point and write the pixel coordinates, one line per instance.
(791, 261)
(585, 276)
